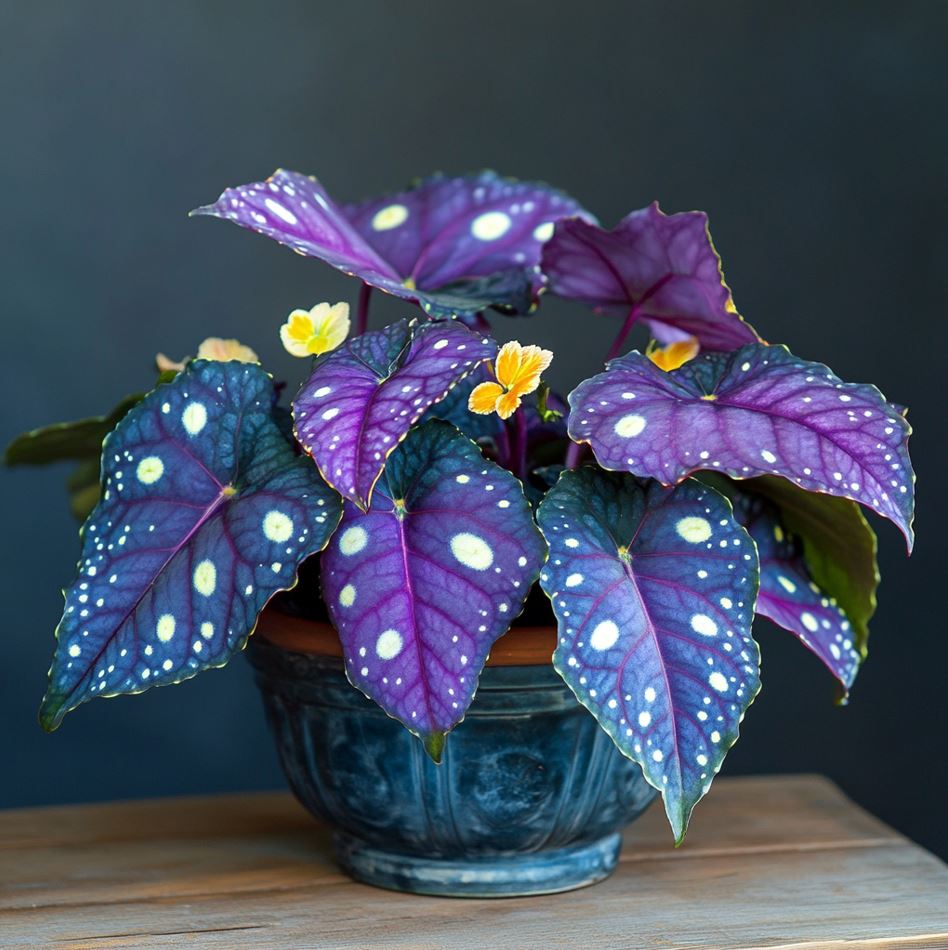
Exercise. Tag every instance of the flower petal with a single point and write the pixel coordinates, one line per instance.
(225, 351)
(508, 404)
(508, 362)
(290, 337)
(675, 354)
(167, 365)
(533, 363)
(331, 325)
(484, 397)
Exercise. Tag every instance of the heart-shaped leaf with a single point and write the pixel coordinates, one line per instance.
(788, 594)
(657, 268)
(206, 513)
(757, 411)
(362, 399)
(653, 590)
(422, 584)
(453, 245)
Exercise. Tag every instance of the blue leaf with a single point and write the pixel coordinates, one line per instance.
(653, 590)
(206, 513)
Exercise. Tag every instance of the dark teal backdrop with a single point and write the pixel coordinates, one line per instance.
(814, 134)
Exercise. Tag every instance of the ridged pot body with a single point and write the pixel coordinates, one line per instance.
(527, 773)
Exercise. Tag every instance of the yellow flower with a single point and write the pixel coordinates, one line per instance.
(213, 348)
(518, 370)
(675, 354)
(226, 351)
(316, 331)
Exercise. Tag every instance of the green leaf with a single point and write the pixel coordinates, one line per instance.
(84, 489)
(839, 546)
(79, 440)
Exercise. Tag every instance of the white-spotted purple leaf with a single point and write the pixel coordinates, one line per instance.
(757, 411)
(421, 585)
(361, 400)
(660, 269)
(453, 245)
(839, 546)
(653, 589)
(788, 594)
(206, 512)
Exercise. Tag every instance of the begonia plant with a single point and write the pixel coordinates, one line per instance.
(690, 485)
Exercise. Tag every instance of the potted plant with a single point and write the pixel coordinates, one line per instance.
(428, 489)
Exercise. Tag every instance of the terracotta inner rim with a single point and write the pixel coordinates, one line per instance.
(519, 646)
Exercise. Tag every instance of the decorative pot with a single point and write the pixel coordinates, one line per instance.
(530, 797)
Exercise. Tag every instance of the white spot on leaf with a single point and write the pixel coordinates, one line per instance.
(694, 530)
(604, 636)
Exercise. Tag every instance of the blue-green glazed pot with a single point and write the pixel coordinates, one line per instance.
(530, 797)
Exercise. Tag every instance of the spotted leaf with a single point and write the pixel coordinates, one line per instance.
(653, 589)
(206, 512)
(656, 268)
(790, 597)
(453, 245)
(421, 585)
(757, 411)
(361, 400)
(839, 546)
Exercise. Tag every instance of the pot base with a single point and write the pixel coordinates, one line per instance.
(516, 875)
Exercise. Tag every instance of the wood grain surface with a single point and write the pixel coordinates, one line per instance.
(782, 862)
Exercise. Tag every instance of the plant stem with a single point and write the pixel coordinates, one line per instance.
(616, 347)
(503, 447)
(362, 314)
(633, 314)
(520, 445)
(573, 454)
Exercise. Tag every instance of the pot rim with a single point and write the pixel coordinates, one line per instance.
(519, 646)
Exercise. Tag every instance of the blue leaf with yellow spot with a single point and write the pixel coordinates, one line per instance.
(653, 589)
(421, 585)
(206, 512)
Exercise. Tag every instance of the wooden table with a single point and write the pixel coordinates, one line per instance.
(769, 862)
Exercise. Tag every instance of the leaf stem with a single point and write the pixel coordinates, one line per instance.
(362, 313)
(617, 343)
(519, 450)
(503, 446)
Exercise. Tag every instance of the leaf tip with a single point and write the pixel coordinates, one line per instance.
(434, 746)
(51, 712)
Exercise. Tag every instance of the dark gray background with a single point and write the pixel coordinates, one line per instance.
(813, 134)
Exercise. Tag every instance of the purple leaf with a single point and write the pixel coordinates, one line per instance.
(453, 245)
(206, 513)
(661, 269)
(362, 399)
(757, 411)
(788, 595)
(653, 589)
(839, 546)
(422, 584)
